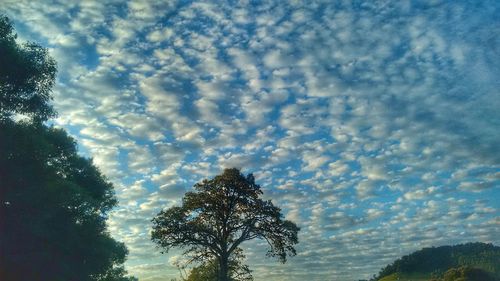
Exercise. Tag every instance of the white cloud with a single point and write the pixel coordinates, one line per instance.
(357, 123)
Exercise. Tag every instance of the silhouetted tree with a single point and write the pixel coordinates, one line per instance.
(53, 202)
(53, 208)
(27, 74)
(221, 214)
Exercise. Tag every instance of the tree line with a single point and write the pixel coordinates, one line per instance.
(468, 261)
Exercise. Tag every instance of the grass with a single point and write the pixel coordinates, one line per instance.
(406, 277)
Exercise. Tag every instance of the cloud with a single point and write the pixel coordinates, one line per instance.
(476, 186)
(370, 124)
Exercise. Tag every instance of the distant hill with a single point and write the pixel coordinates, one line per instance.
(423, 265)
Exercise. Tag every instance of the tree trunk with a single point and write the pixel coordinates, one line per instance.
(223, 268)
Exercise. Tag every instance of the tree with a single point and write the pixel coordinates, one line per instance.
(437, 260)
(53, 208)
(27, 75)
(209, 270)
(53, 202)
(467, 273)
(219, 216)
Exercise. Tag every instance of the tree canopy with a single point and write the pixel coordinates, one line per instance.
(466, 273)
(53, 208)
(53, 202)
(219, 216)
(27, 76)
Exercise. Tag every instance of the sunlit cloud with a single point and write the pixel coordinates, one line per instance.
(373, 125)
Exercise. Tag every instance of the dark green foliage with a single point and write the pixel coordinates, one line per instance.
(53, 203)
(53, 208)
(116, 273)
(437, 260)
(223, 213)
(466, 273)
(27, 75)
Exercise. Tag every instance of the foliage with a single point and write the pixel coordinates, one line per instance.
(437, 260)
(208, 271)
(53, 207)
(466, 273)
(117, 273)
(221, 214)
(26, 77)
(53, 202)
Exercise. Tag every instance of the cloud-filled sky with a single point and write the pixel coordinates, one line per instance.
(375, 125)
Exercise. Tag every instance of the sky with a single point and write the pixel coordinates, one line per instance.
(374, 125)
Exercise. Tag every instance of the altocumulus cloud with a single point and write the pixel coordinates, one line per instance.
(374, 124)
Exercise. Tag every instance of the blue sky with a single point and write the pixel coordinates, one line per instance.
(373, 124)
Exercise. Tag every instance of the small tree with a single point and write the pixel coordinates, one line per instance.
(219, 216)
(209, 270)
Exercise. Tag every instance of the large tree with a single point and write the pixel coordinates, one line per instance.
(53, 202)
(219, 216)
(53, 209)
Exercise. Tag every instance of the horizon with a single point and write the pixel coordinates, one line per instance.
(373, 125)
